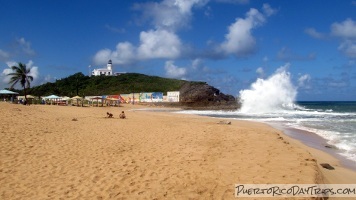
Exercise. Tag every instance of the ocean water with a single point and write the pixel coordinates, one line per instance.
(333, 121)
(273, 100)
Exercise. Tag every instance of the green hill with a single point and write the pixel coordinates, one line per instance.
(100, 85)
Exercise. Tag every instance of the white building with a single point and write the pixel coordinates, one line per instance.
(173, 96)
(103, 71)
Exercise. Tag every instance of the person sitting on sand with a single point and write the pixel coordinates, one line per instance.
(122, 115)
(110, 115)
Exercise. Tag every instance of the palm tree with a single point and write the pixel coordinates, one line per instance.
(21, 74)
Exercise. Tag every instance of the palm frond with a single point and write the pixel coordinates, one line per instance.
(20, 74)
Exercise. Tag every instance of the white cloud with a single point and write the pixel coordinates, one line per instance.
(11, 63)
(162, 42)
(268, 10)
(4, 55)
(345, 29)
(303, 80)
(197, 63)
(239, 40)
(102, 56)
(186, 6)
(124, 54)
(169, 14)
(313, 33)
(47, 78)
(174, 71)
(348, 47)
(285, 54)
(234, 1)
(7, 71)
(159, 44)
(34, 70)
(167, 17)
(260, 71)
(26, 46)
(153, 44)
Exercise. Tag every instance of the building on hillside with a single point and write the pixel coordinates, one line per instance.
(173, 96)
(151, 97)
(130, 98)
(103, 71)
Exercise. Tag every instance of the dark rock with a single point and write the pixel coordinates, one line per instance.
(201, 95)
(327, 166)
(330, 146)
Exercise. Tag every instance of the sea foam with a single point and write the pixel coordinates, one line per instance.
(273, 94)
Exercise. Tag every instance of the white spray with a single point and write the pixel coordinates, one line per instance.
(274, 94)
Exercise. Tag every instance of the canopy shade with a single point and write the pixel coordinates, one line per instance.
(65, 98)
(7, 92)
(77, 97)
(30, 96)
(52, 97)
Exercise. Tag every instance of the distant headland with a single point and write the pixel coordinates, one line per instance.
(193, 94)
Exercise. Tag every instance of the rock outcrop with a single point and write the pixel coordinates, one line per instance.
(204, 96)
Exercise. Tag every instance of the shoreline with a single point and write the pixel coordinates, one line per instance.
(314, 141)
(345, 170)
(310, 141)
(50, 151)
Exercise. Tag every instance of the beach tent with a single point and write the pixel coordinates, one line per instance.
(77, 98)
(52, 98)
(97, 100)
(112, 99)
(30, 99)
(7, 92)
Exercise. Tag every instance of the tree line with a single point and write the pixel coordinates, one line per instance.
(81, 85)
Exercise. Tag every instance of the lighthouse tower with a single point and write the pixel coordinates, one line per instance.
(109, 65)
(103, 71)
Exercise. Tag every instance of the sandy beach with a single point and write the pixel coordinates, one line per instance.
(68, 152)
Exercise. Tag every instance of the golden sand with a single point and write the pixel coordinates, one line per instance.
(67, 152)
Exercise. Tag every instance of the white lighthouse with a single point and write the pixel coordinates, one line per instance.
(109, 65)
(103, 71)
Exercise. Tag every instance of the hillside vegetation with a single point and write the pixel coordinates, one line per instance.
(101, 85)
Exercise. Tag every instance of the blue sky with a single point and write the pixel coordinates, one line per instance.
(227, 43)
